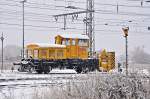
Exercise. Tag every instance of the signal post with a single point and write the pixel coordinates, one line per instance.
(125, 30)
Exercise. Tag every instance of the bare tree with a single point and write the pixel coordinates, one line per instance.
(140, 56)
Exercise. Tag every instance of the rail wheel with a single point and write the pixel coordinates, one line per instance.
(46, 72)
(39, 71)
(31, 70)
(85, 70)
(79, 70)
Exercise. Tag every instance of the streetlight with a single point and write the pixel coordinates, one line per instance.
(125, 30)
(2, 39)
(23, 27)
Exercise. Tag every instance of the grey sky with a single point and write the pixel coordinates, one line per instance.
(39, 22)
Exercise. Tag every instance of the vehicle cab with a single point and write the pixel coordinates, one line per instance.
(76, 45)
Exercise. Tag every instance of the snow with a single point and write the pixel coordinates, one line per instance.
(18, 83)
(144, 72)
(15, 75)
(47, 45)
(79, 36)
(66, 71)
(23, 85)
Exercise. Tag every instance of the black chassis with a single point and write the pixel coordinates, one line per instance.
(45, 66)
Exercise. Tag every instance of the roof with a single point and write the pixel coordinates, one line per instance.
(46, 45)
(79, 36)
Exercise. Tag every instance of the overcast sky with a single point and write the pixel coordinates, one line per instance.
(40, 26)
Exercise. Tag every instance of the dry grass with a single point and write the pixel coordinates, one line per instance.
(99, 87)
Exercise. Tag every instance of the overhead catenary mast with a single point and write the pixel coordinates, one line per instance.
(90, 27)
(89, 21)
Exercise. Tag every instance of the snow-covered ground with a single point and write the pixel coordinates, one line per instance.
(21, 85)
(15, 75)
(142, 72)
(18, 84)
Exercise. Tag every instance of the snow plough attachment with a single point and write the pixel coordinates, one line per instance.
(106, 60)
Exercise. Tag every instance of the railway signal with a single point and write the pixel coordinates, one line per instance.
(125, 31)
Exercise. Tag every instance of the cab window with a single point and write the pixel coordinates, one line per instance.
(82, 42)
(67, 41)
(36, 52)
(29, 53)
(73, 42)
(63, 42)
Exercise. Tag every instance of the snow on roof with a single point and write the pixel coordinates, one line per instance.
(46, 45)
(80, 36)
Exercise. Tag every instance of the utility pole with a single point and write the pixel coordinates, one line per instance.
(2, 39)
(23, 27)
(89, 21)
(125, 30)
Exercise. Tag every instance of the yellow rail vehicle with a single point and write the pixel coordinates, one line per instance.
(69, 51)
(65, 47)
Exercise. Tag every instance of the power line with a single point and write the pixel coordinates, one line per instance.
(48, 21)
(20, 12)
(15, 12)
(115, 5)
(78, 2)
(28, 6)
(35, 29)
(26, 25)
(34, 18)
(102, 11)
(35, 26)
(122, 13)
(108, 25)
(27, 17)
(33, 3)
(96, 11)
(104, 4)
(107, 4)
(11, 13)
(69, 28)
(108, 12)
(49, 7)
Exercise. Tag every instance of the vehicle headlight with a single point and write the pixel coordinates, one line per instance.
(24, 62)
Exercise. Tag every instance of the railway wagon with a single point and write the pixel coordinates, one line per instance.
(69, 51)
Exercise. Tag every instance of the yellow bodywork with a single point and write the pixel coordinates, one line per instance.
(64, 48)
(69, 48)
(73, 47)
(37, 52)
(107, 60)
